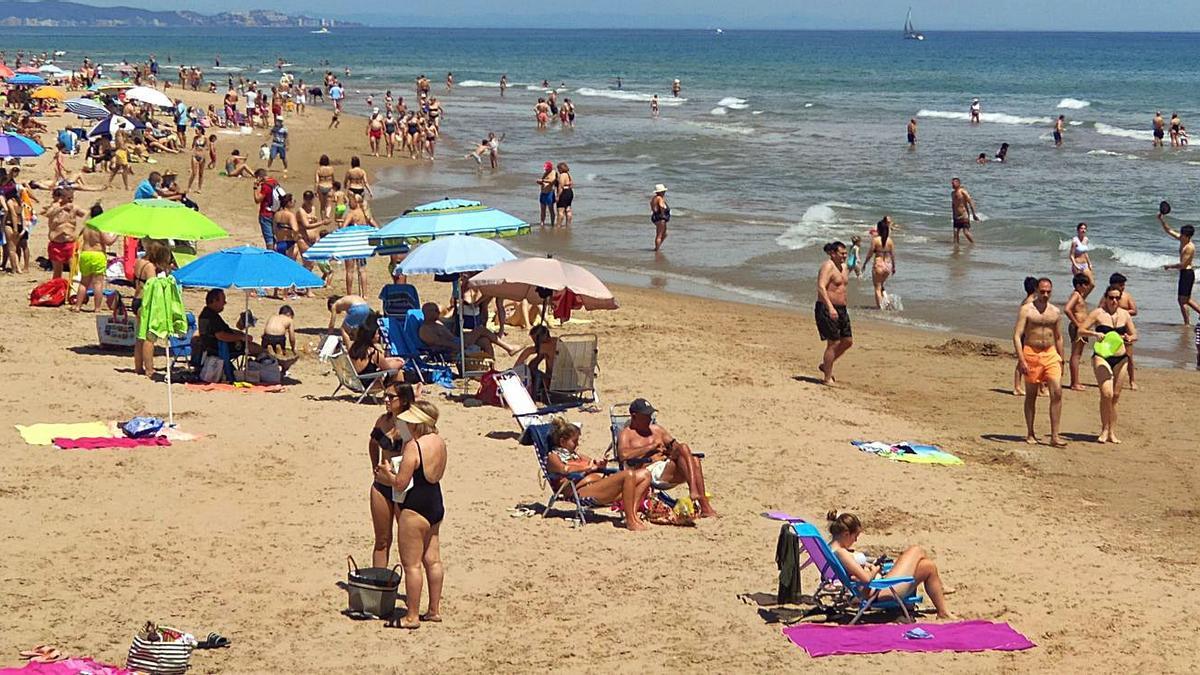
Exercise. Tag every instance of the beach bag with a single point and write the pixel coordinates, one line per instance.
(489, 390)
(142, 427)
(212, 369)
(159, 650)
(52, 293)
(371, 590)
(277, 195)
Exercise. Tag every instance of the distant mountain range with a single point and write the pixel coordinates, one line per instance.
(60, 13)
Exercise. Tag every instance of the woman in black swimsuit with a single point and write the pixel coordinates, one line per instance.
(365, 352)
(1109, 317)
(660, 215)
(566, 195)
(388, 437)
(419, 516)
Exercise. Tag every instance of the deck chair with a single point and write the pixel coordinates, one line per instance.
(618, 419)
(403, 340)
(366, 386)
(575, 366)
(520, 403)
(539, 437)
(839, 594)
(181, 347)
(398, 299)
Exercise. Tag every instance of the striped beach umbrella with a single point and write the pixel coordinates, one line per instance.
(348, 243)
(87, 108)
(16, 145)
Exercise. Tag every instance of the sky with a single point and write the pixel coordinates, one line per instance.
(928, 15)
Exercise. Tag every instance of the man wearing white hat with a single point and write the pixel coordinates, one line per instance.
(660, 215)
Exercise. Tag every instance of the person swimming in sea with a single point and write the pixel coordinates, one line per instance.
(982, 159)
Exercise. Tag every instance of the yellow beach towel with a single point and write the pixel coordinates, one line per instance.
(43, 434)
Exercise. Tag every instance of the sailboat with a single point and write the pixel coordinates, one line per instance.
(911, 33)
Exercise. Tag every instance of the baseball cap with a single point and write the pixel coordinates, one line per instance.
(641, 406)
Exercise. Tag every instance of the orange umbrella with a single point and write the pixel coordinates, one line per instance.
(5, 71)
(48, 92)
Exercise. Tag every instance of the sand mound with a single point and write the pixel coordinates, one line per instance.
(957, 347)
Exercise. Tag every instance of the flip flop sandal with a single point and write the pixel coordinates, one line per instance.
(431, 618)
(36, 651)
(214, 641)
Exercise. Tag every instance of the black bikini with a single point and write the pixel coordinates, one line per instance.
(1113, 361)
(424, 497)
(387, 444)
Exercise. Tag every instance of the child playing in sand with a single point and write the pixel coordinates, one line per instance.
(279, 334)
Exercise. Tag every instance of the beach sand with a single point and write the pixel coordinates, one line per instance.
(246, 531)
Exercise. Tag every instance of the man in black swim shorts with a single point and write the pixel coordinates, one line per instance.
(1187, 274)
(962, 209)
(832, 317)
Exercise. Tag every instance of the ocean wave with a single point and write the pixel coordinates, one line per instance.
(1109, 153)
(818, 224)
(1139, 259)
(718, 111)
(1073, 104)
(479, 83)
(1075, 123)
(996, 118)
(722, 127)
(1136, 134)
(808, 105)
(626, 95)
(733, 103)
(756, 112)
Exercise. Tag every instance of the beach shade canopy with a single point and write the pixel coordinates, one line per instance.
(452, 255)
(157, 219)
(247, 268)
(112, 124)
(51, 69)
(348, 243)
(48, 92)
(147, 95)
(6, 72)
(16, 145)
(447, 217)
(26, 79)
(87, 108)
(522, 279)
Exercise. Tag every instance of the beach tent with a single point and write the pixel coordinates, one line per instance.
(444, 218)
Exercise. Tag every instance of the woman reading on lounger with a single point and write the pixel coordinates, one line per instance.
(845, 528)
(630, 485)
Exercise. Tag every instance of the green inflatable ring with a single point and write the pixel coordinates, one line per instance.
(1109, 345)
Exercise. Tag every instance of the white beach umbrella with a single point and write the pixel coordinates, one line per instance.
(147, 95)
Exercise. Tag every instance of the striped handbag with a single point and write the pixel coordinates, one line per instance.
(159, 650)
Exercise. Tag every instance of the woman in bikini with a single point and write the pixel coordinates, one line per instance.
(388, 437)
(365, 352)
(1078, 254)
(566, 195)
(883, 258)
(199, 160)
(419, 518)
(1109, 317)
(324, 181)
(629, 486)
(356, 180)
(846, 527)
(356, 214)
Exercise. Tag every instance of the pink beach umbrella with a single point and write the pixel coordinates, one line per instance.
(537, 279)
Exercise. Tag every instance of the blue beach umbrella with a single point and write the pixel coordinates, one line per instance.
(246, 268)
(87, 108)
(447, 217)
(348, 243)
(16, 145)
(26, 78)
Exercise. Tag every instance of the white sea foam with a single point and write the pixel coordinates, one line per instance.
(1073, 104)
(478, 83)
(756, 112)
(626, 95)
(818, 225)
(993, 117)
(1109, 153)
(1141, 259)
(808, 105)
(1136, 134)
(722, 127)
(1075, 123)
(733, 103)
(718, 111)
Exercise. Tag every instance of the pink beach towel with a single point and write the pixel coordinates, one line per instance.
(72, 666)
(99, 443)
(962, 636)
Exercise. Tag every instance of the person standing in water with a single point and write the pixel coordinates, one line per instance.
(832, 316)
(1187, 275)
(883, 258)
(660, 215)
(546, 198)
(1058, 131)
(1078, 253)
(976, 111)
(566, 195)
(1175, 126)
(503, 84)
(963, 209)
(1038, 342)
(675, 88)
(912, 132)
(654, 106)
(1158, 129)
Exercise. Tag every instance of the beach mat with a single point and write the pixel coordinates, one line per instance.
(100, 443)
(961, 636)
(907, 451)
(71, 666)
(44, 434)
(238, 386)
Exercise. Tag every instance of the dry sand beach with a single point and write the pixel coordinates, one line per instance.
(1087, 550)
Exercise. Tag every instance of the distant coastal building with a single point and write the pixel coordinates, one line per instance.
(58, 13)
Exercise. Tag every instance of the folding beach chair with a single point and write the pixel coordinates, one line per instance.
(575, 367)
(181, 347)
(539, 436)
(367, 386)
(838, 593)
(520, 403)
(618, 419)
(403, 340)
(398, 299)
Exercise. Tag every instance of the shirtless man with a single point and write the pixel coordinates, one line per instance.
(1128, 304)
(93, 265)
(912, 132)
(670, 462)
(1187, 275)
(435, 334)
(1158, 129)
(1037, 340)
(63, 216)
(833, 319)
(675, 87)
(1077, 314)
(962, 207)
(542, 111)
(547, 195)
(355, 307)
(1058, 130)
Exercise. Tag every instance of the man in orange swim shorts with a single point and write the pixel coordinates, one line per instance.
(1038, 342)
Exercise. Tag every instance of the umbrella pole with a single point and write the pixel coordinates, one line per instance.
(170, 400)
(462, 348)
(246, 342)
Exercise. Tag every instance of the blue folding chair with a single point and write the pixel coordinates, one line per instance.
(838, 593)
(539, 436)
(398, 299)
(402, 338)
(181, 347)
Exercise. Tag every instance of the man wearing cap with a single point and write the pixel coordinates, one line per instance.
(547, 183)
(660, 215)
(669, 462)
(279, 144)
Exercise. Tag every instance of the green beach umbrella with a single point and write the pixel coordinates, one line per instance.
(157, 219)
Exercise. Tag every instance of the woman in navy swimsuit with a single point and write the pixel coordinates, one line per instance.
(419, 510)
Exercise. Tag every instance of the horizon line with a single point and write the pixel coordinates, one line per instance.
(413, 26)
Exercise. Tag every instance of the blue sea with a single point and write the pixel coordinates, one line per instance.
(779, 142)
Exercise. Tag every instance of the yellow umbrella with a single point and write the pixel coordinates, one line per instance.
(48, 92)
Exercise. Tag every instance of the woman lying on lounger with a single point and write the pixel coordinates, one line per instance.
(846, 527)
(630, 485)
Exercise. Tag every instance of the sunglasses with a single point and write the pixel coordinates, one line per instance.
(1112, 297)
